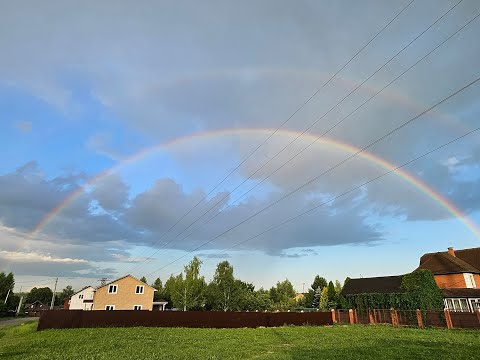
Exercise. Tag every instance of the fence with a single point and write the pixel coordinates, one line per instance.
(409, 318)
(63, 319)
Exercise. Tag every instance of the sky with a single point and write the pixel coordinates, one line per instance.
(136, 135)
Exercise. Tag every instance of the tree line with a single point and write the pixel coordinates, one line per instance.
(190, 291)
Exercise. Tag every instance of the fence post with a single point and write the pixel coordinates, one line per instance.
(355, 316)
(350, 316)
(375, 316)
(419, 319)
(339, 319)
(394, 316)
(448, 319)
(334, 321)
(370, 317)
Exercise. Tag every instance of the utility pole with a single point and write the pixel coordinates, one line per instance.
(53, 296)
(6, 298)
(303, 288)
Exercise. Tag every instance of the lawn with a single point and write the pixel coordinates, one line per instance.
(329, 342)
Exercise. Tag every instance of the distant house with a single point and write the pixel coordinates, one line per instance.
(82, 300)
(35, 308)
(457, 274)
(159, 305)
(375, 285)
(125, 293)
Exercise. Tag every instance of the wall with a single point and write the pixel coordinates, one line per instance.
(450, 281)
(64, 319)
(125, 298)
(77, 304)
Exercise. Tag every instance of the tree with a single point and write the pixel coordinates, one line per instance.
(7, 283)
(44, 295)
(65, 294)
(323, 302)
(223, 290)
(188, 292)
(338, 287)
(332, 295)
(160, 293)
(316, 298)
(143, 279)
(283, 295)
(318, 282)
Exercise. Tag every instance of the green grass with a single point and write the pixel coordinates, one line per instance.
(330, 342)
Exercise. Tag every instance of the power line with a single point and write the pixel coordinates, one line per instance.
(323, 173)
(313, 124)
(276, 130)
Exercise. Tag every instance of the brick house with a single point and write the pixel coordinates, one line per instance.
(125, 293)
(457, 274)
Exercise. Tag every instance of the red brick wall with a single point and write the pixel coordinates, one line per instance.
(451, 281)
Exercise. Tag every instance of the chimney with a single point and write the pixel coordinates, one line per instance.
(451, 251)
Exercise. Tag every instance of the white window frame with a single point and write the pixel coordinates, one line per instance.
(469, 281)
(137, 306)
(110, 306)
(142, 288)
(114, 287)
(80, 296)
(475, 304)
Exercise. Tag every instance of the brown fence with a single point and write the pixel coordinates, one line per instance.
(465, 319)
(63, 319)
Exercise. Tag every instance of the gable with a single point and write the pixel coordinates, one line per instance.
(127, 278)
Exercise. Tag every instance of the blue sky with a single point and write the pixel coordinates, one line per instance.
(84, 88)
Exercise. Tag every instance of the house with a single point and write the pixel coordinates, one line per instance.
(375, 285)
(159, 305)
(457, 274)
(125, 293)
(35, 308)
(82, 300)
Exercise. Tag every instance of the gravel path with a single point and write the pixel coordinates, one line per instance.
(17, 321)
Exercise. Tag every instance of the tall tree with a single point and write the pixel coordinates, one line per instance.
(223, 290)
(143, 279)
(160, 293)
(323, 302)
(44, 295)
(7, 283)
(283, 295)
(332, 295)
(318, 282)
(65, 294)
(338, 287)
(188, 292)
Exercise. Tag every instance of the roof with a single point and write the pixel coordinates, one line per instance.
(123, 277)
(84, 288)
(441, 263)
(160, 301)
(461, 293)
(375, 285)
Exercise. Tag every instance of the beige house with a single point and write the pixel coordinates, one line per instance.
(126, 293)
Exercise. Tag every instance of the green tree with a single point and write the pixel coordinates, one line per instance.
(332, 296)
(188, 292)
(323, 302)
(283, 295)
(316, 298)
(223, 290)
(65, 294)
(318, 282)
(160, 293)
(338, 287)
(143, 279)
(7, 283)
(44, 295)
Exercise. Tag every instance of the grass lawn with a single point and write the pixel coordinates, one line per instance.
(330, 342)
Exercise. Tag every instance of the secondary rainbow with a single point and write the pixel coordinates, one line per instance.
(406, 176)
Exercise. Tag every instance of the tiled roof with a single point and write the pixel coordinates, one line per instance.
(461, 293)
(376, 285)
(443, 263)
(471, 256)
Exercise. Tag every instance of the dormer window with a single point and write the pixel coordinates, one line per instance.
(139, 289)
(80, 296)
(469, 280)
(112, 289)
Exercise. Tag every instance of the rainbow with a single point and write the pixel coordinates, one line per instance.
(335, 144)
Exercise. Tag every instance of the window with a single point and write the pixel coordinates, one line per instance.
(80, 296)
(109, 307)
(469, 280)
(475, 304)
(139, 289)
(112, 289)
(137, 307)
